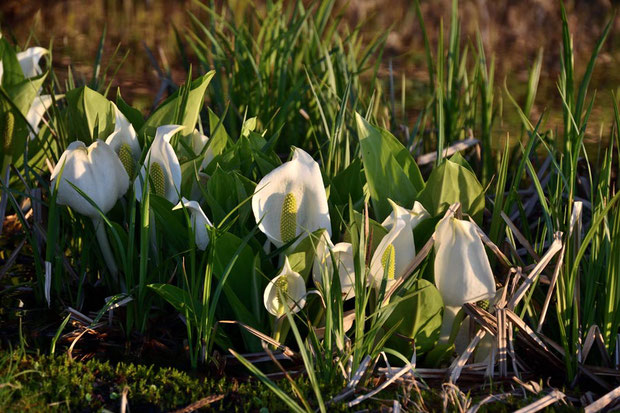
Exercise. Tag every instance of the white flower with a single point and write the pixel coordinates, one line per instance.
(287, 285)
(124, 141)
(198, 143)
(342, 254)
(29, 61)
(395, 252)
(462, 270)
(199, 222)
(97, 171)
(163, 165)
(37, 110)
(291, 200)
(416, 215)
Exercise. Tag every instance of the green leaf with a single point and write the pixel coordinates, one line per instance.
(178, 298)
(132, 114)
(419, 315)
(449, 183)
(219, 138)
(12, 70)
(165, 114)
(22, 94)
(91, 115)
(248, 126)
(302, 257)
(347, 185)
(170, 222)
(391, 171)
(377, 231)
(226, 190)
(238, 290)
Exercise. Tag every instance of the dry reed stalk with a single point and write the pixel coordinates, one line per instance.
(556, 246)
(264, 337)
(384, 385)
(458, 146)
(457, 365)
(540, 404)
(201, 403)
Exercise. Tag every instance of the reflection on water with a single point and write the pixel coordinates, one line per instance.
(74, 29)
(513, 31)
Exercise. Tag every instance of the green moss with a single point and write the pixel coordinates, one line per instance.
(43, 383)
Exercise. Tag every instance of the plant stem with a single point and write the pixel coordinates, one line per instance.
(449, 314)
(102, 238)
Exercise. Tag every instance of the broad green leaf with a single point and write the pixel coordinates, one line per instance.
(219, 137)
(420, 319)
(170, 223)
(179, 299)
(451, 182)
(132, 114)
(458, 158)
(302, 257)
(22, 95)
(226, 190)
(12, 70)
(347, 184)
(376, 230)
(240, 287)
(91, 115)
(391, 171)
(263, 155)
(165, 114)
(248, 126)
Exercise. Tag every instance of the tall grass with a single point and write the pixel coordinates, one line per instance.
(299, 70)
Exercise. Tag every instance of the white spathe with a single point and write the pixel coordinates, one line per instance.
(199, 222)
(29, 61)
(162, 154)
(396, 251)
(291, 200)
(95, 170)
(416, 215)
(288, 285)
(124, 133)
(35, 114)
(199, 141)
(342, 254)
(462, 270)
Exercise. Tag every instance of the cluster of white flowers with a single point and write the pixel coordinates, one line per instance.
(103, 171)
(290, 203)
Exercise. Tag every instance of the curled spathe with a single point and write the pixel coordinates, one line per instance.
(163, 165)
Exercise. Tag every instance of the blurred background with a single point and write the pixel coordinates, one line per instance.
(512, 32)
